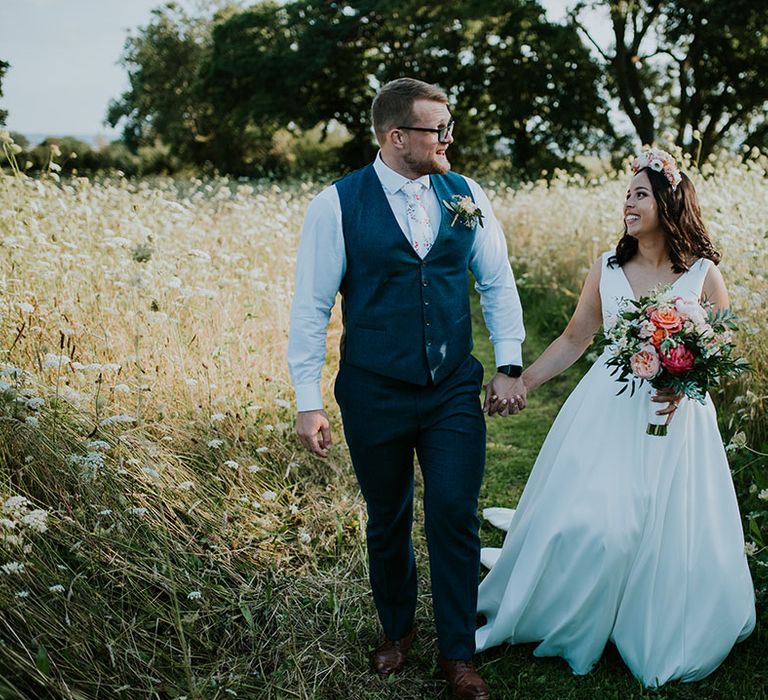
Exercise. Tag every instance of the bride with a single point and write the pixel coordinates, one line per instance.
(620, 535)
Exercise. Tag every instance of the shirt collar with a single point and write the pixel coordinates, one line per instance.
(393, 181)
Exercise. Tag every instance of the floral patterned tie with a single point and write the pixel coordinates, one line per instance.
(419, 224)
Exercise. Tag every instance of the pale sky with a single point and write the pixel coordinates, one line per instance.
(64, 54)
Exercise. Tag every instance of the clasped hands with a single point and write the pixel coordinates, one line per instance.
(505, 395)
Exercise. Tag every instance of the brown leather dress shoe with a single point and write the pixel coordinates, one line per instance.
(464, 679)
(389, 656)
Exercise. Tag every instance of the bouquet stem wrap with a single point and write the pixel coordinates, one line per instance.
(657, 425)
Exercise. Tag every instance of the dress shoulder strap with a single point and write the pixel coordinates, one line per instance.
(693, 280)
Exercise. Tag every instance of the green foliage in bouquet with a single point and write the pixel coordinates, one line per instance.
(673, 343)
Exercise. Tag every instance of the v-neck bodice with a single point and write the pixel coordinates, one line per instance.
(615, 288)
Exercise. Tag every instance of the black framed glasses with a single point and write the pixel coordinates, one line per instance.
(443, 132)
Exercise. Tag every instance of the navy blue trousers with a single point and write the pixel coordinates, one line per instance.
(386, 422)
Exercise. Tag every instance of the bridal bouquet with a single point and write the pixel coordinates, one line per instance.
(672, 343)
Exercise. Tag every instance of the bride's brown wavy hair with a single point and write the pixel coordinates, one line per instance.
(680, 221)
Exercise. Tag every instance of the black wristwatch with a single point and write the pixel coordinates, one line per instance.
(510, 370)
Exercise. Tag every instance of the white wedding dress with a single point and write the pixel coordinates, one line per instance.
(623, 536)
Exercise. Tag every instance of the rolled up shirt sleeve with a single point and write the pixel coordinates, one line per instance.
(495, 282)
(320, 267)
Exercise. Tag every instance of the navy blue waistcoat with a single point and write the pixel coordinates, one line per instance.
(404, 317)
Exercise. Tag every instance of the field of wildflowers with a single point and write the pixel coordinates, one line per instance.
(162, 534)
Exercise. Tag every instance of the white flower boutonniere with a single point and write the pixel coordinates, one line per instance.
(464, 210)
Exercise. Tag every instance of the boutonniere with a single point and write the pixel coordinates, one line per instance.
(464, 210)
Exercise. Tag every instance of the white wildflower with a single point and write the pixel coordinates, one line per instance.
(137, 511)
(106, 511)
(269, 495)
(269, 428)
(194, 595)
(121, 418)
(151, 473)
(231, 464)
(13, 567)
(122, 388)
(22, 594)
(93, 460)
(283, 403)
(254, 468)
(262, 450)
(750, 548)
(16, 505)
(98, 445)
(32, 420)
(294, 509)
(218, 417)
(185, 485)
(58, 588)
(9, 370)
(36, 520)
(304, 536)
(763, 495)
(215, 443)
(189, 381)
(26, 308)
(52, 360)
(7, 524)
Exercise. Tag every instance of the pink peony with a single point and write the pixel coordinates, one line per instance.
(678, 359)
(645, 362)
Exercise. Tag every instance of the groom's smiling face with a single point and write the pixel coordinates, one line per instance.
(423, 152)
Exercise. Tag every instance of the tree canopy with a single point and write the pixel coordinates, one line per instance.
(218, 91)
(230, 90)
(696, 68)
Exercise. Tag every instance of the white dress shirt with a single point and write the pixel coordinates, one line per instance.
(321, 264)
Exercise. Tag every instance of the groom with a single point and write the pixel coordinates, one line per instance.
(385, 239)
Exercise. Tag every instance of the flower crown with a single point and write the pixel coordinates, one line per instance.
(660, 161)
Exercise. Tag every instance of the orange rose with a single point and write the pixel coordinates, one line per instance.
(669, 319)
(658, 335)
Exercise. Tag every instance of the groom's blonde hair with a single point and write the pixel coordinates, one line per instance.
(393, 105)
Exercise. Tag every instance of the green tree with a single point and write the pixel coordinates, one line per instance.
(688, 66)
(4, 66)
(521, 85)
(297, 65)
(220, 91)
(518, 82)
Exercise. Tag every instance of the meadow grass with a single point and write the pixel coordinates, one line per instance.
(162, 534)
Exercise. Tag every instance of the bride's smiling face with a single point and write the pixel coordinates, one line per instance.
(641, 215)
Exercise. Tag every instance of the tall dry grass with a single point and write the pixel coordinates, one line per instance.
(161, 533)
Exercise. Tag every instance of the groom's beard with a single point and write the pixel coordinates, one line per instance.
(434, 165)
